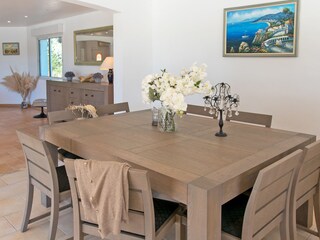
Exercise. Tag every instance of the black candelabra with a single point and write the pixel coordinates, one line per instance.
(221, 103)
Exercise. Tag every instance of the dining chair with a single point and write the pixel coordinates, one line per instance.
(61, 116)
(252, 118)
(254, 216)
(43, 175)
(149, 218)
(307, 188)
(198, 110)
(112, 108)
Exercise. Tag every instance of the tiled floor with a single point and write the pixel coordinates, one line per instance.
(13, 184)
(12, 199)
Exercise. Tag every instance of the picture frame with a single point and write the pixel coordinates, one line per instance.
(10, 48)
(262, 30)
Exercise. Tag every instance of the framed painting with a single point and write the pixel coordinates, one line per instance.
(10, 48)
(261, 30)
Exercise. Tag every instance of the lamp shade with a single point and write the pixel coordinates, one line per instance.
(107, 64)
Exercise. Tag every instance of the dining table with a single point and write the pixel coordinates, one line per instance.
(191, 165)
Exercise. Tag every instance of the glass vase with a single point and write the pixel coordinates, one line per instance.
(166, 120)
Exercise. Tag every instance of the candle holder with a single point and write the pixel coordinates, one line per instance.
(221, 103)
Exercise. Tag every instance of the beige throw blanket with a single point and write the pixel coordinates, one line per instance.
(104, 193)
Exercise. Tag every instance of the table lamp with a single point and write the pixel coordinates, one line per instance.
(107, 64)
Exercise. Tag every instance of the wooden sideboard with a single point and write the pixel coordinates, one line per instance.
(61, 94)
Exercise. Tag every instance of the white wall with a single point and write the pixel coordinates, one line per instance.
(287, 88)
(19, 63)
(132, 46)
(85, 21)
(28, 59)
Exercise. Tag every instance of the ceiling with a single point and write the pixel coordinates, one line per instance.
(38, 11)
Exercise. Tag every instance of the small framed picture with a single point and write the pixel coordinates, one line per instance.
(264, 30)
(10, 48)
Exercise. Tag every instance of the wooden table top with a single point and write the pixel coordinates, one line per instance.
(192, 154)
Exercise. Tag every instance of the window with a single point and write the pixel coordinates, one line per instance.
(50, 56)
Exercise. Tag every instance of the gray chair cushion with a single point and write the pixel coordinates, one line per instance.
(62, 179)
(232, 215)
(163, 210)
(67, 154)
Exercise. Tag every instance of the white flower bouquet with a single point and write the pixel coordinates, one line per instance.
(88, 111)
(171, 90)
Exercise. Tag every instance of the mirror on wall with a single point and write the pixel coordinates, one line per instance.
(92, 46)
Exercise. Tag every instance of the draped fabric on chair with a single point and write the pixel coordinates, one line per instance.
(148, 218)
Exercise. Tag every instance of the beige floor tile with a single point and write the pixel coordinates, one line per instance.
(15, 177)
(2, 183)
(312, 237)
(6, 227)
(11, 205)
(13, 190)
(36, 231)
(15, 218)
(65, 223)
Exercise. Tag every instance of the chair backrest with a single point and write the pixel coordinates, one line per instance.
(309, 174)
(141, 214)
(112, 108)
(268, 204)
(198, 110)
(253, 118)
(40, 165)
(61, 116)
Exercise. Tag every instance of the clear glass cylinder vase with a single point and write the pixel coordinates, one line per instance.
(166, 120)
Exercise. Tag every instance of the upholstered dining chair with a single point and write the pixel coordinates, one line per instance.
(148, 218)
(307, 188)
(254, 216)
(112, 108)
(43, 175)
(252, 118)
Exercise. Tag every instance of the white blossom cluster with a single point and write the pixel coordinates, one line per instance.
(171, 90)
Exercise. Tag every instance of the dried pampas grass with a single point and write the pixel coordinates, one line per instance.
(23, 84)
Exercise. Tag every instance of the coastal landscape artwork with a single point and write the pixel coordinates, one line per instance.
(261, 30)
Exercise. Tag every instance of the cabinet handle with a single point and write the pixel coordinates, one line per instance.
(59, 91)
(86, 95)
(92, 95)
(54, 90)
(71, 102)
(71, 92)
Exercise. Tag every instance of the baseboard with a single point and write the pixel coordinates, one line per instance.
(12, 105)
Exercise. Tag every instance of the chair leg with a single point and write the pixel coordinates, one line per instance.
(316, 202)
(54, 216)
(177, 227)
(28, 207)
(284, 230)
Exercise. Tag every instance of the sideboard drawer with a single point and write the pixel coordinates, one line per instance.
(61, 94)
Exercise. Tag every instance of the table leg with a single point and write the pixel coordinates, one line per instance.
(204, 211)
(45, 200)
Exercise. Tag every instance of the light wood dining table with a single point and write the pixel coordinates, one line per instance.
(191, 165)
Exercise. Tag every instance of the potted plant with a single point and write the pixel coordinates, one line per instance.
(69, 75)
(23, 84)
(97, 77)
